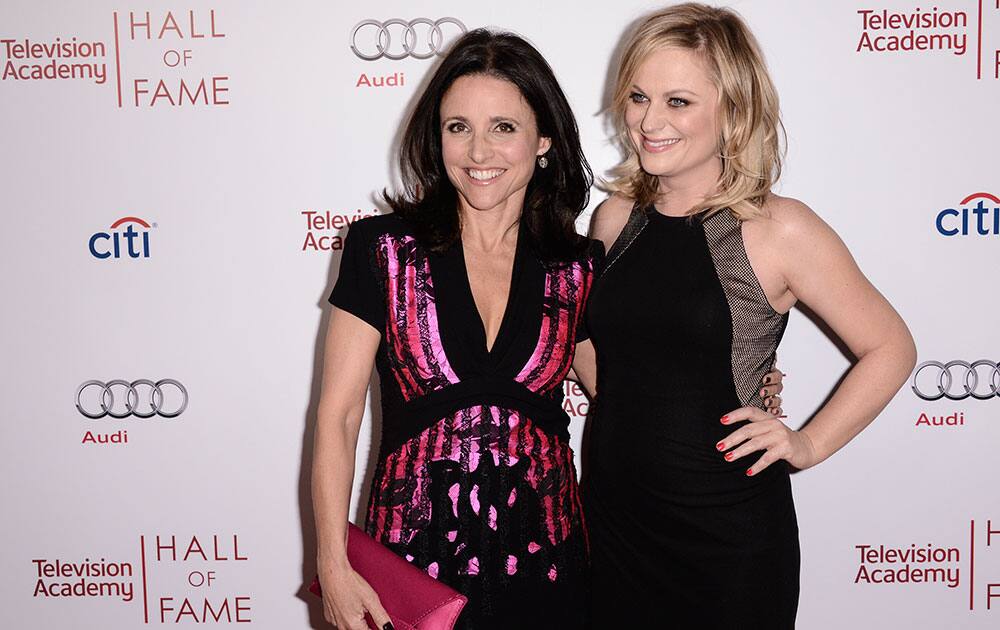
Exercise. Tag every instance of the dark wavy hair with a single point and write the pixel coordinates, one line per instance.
(555, 196)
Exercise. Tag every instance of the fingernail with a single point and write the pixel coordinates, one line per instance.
(729, 457)
(749, 472)
(782, 416)
(388, 626)
(721, 446)
(767, 380)
(763, 392)
(723, 420)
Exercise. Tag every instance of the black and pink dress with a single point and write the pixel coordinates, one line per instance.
(475, 481)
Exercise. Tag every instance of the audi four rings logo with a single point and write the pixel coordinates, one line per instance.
(397, 39)
(141, 398)
(957, 380)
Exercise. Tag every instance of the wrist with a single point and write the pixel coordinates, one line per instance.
(812, 454)
(333, 558)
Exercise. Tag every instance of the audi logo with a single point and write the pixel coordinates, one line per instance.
(398, 39)
(141, 398)
(957, 380)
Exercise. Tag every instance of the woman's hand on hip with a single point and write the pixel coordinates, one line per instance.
(765, 432)
(771, 387)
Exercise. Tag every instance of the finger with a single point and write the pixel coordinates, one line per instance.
(772, 401)
(357, 622)
(774, 376)
(753, 414)
(765, 460)
(777, 411)
(771, 390)
(759, 443)
(741, 435)
(378, 614)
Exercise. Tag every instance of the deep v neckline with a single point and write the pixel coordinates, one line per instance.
(502, 332)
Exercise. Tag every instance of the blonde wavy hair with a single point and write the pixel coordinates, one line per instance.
(751, 142)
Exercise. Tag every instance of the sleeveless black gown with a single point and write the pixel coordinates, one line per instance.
(679, 537)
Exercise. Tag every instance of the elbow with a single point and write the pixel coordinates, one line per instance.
(905, 353)
(907, 348)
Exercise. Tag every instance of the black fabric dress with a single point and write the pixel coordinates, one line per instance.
(475, 482)
(680, 538)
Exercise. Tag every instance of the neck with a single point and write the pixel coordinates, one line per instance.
(490, 230)
(677, 195)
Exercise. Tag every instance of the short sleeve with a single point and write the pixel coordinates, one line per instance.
(357, 289)
(596, 256)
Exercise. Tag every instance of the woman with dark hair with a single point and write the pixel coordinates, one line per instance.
(467, 299)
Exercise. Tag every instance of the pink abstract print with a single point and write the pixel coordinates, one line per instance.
(566, 291)
(459, 488)
(418, 360)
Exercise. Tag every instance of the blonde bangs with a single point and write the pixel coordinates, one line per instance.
(749, 116)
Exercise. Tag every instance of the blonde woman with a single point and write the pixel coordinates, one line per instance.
(689, 504)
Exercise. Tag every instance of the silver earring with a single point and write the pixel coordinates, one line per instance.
(543, 161)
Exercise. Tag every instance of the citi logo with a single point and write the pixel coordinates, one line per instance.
(981, 219)
(131, 241)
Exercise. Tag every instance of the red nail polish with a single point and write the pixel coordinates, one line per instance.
(729, 457)
(749, 472)
(723, 420)
(721, 446)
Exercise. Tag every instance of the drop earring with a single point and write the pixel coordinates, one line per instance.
(543, 161)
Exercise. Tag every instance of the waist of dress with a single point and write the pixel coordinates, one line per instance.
(415, 416)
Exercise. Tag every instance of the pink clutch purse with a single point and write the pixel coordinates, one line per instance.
(413, 599)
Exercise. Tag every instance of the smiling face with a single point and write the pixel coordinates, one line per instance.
(489, 143)
(672, 115)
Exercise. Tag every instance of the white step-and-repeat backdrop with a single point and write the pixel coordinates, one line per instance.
(175, 181)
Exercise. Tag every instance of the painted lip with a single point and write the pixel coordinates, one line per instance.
(484, 176)
(650, 145)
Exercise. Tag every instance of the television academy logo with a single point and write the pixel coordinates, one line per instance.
(325, 229)
(973, 569)
(176, 578)
(939, 30)
(981, 219)
(575, 402)
(152, 58)
(118, 242)
(59, 59)
(397, 39)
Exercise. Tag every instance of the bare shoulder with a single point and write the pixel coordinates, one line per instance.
(786, 221)
(609, 218)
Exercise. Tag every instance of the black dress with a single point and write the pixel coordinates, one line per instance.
(475, 481)
(684, 333)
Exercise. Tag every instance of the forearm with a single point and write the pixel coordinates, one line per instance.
(869, 386)
(334, 452)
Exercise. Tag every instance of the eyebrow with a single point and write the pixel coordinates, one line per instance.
(494, 119)
(668, 92)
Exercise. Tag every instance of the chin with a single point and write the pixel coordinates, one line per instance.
(656, 167)
(483, 203)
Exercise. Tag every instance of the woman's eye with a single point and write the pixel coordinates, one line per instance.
(456, 127)
(637, 98)
(505, 128)
(677, 102)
